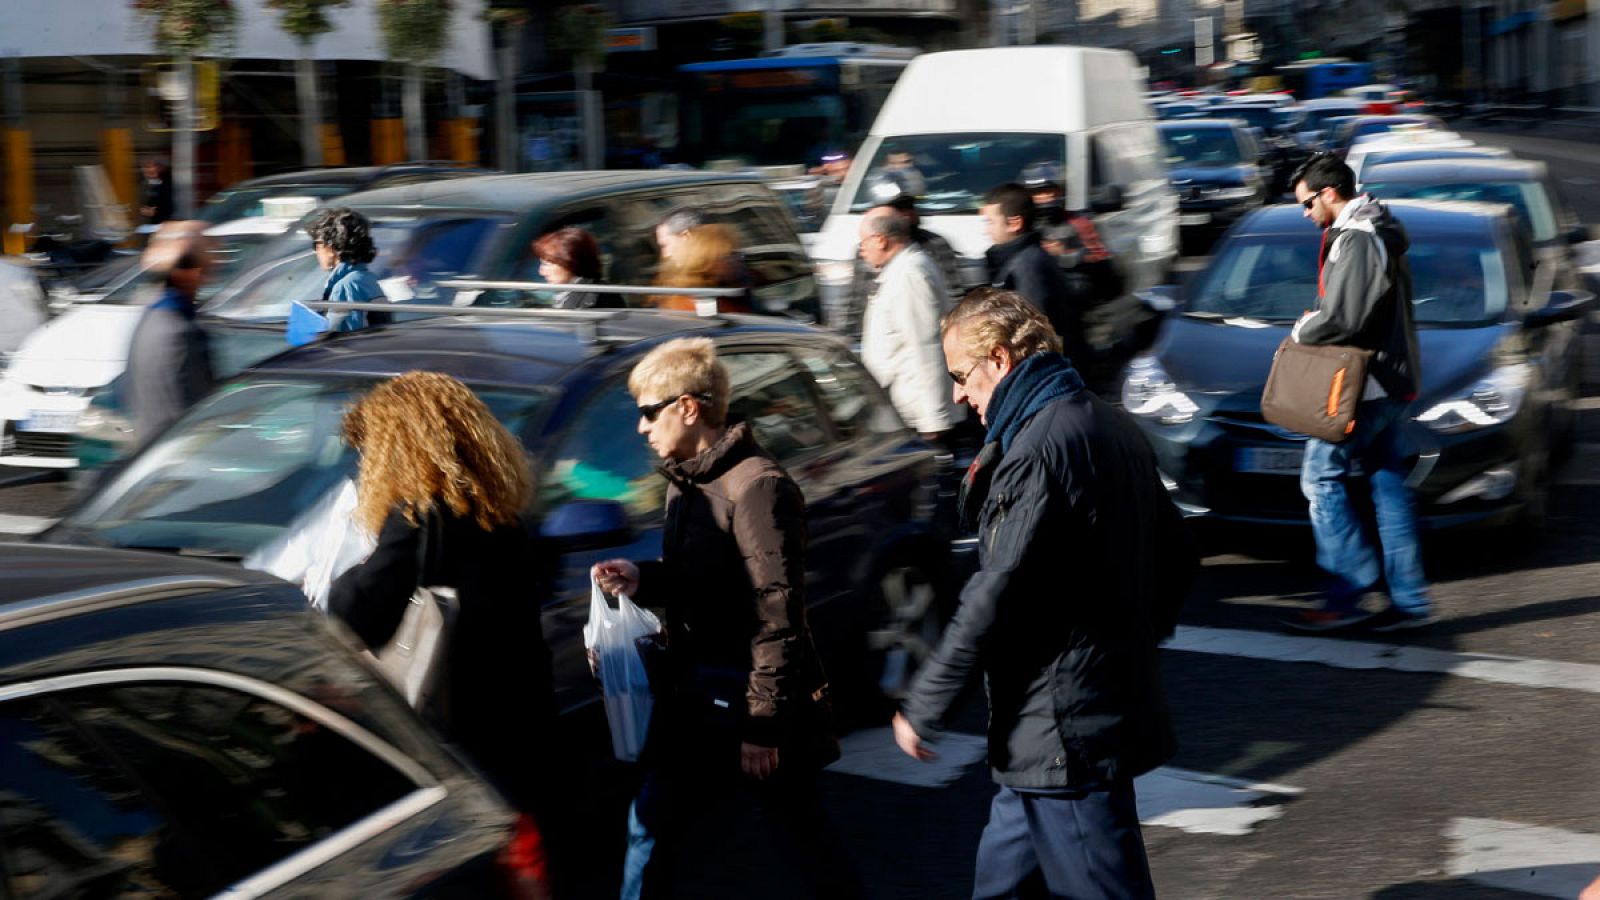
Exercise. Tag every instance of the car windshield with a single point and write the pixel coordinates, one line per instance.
(1528, 197)
(238, 468)
(1200, 146)
(1459, 280)
(225, 206)
(413, 256)
(954, 171)
(230, 255)
(1262, 117)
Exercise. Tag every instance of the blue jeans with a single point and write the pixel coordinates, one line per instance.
(1344, 548)
(1085, 845)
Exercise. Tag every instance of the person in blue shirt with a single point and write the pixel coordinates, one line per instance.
(342, 239)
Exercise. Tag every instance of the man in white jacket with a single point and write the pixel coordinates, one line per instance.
(900, 342)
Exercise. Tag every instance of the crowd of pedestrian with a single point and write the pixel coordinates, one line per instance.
(1083, 558)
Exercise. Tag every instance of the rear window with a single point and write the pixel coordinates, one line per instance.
(1527, 197)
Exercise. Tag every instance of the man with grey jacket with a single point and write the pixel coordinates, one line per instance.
(1363, 300)
(900, 328)
(169, 359)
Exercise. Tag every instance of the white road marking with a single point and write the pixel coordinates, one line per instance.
(1195, 802)
(1200, 803)
(1346, 654)
(873, 754)
(1532, 859)
(24, 525)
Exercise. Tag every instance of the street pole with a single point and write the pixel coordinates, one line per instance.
(772, 38)
(411, 101)
(183, 143)
(305, 83)
(505, 106)
(589, 110)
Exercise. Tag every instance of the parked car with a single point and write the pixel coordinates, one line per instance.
(1216, 171)
(1523, 184)
(244, 199)
(1387, 153)
(178, 727)
(1501, 363)
(237, 469)
(426, 233)
(1363, 127)
(1403, 138)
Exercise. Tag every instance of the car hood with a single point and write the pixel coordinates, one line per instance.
(1218, 359)
(1229, 174)
(84, 347)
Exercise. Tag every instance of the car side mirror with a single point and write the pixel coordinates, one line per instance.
(1107, 198)
(1580, 234)
(1563, 306)
(1162, 298)
(588, 525)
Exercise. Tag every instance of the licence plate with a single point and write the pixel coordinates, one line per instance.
(1194, 218)
(51, 420)
(1268, 460)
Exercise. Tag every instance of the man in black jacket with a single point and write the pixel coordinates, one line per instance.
(1083, 562)
(1018, 263)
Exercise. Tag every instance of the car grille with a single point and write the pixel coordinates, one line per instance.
(35, 443)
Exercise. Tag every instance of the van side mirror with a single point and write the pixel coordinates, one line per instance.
(1107, 198)
(588, 525)
(1563, 306)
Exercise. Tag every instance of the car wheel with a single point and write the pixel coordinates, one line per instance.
(909, 620)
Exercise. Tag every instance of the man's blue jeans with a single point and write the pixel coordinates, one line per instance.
(1344, 548)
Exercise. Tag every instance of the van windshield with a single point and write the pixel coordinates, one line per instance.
(950, 173)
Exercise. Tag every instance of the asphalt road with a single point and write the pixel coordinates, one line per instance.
(1457, 763)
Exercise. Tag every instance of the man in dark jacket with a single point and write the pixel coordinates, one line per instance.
(156, 191)
(1363, 300)
(169, 357)
(1018, 263)
(1083, 562)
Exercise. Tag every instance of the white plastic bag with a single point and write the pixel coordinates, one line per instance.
(318, 546)
(611, 634)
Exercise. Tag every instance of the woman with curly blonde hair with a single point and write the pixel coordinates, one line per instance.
(444, 486)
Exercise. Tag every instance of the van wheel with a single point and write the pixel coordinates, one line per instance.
(909, 622)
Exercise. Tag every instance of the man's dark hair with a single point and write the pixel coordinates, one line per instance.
(346, 232)
(1326, 170)
(1014, 200)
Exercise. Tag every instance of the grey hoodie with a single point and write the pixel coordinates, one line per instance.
(1365, 297)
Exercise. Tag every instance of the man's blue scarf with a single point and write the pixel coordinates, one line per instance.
(1025, 390)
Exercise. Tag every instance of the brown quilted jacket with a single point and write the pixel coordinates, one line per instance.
(732, 581)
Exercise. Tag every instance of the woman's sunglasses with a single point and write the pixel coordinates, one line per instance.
(649, 413)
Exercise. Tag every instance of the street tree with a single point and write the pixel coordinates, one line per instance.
(414, 33)
(580, 32)
(305, 21)
(184, 29)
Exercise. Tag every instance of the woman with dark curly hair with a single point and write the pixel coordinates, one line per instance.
(570, 255)
(342, 239)
(444, 485)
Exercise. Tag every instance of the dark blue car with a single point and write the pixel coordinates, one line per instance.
(1501, 362)
(238, 469)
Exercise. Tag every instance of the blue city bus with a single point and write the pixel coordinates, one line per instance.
(1313, 79)
(790, 106)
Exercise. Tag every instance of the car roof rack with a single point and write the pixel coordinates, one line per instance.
(591, 320)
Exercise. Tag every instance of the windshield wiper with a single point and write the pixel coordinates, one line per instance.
(1204, 314)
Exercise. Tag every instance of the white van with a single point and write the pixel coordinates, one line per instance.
(974, 119)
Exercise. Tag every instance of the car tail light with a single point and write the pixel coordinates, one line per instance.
(524, 864)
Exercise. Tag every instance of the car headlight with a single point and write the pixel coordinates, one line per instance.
(1148, 392)
(1494, 400)
(836, 272)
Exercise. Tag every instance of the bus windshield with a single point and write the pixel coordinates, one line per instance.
(782, 110)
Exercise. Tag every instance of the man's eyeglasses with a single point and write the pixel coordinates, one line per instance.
(960, 378)
(649, 413)
(1307, 202)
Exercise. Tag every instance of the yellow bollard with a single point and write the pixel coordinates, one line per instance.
(18, 155)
